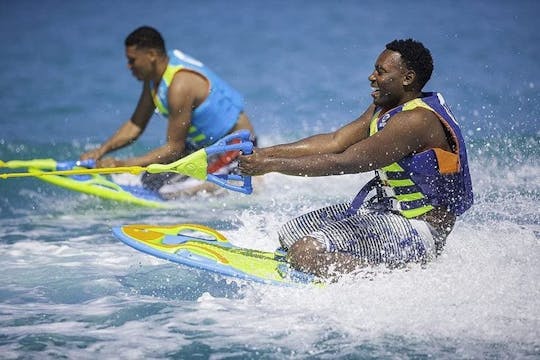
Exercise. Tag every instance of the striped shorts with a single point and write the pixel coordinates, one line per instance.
(374, 235)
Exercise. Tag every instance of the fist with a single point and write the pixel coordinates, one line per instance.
(109, 163)
(91, 155)
(253, 164)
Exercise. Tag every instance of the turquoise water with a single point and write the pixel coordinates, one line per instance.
(68, 289)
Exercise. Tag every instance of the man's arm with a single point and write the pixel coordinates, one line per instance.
(275, 158)
(406, 133)
(128, 131)
(186, 92)
(329, 143)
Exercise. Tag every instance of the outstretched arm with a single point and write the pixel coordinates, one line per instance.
(128, 131)
(186, 91)
(287, 157)
(330, 143)
(407, 132)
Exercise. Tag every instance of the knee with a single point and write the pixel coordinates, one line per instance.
(303, 253)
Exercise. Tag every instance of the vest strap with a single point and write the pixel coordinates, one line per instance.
(360, 198)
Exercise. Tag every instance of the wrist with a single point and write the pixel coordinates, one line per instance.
(272, 164)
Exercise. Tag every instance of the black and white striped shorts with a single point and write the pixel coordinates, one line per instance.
(374, 235)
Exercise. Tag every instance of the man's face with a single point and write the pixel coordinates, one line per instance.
(139, 62)
(387, 80)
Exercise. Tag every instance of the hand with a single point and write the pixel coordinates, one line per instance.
(253, 164)
(91, 155)
(109, 163)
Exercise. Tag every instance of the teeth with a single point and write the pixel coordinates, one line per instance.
(374, 89)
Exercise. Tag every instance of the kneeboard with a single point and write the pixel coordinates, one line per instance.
(93, 184)
(204, 248)
(106, 188)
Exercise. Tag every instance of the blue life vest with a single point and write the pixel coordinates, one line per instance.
(215, 116)
(417, 183)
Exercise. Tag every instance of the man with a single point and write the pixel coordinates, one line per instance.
(201, 108)
(412, 141)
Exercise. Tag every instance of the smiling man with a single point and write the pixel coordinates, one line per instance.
(422, 183)
(199, 106)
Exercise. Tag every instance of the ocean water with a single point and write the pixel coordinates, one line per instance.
(69, 289)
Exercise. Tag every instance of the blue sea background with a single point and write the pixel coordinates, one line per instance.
(69, 289)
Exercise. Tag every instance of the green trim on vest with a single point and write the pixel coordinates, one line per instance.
(199, 137)
(168, 76)
(396, 168)
(400, 183)
(418, 102)
(373, 123)
(410, 197)
(410, 214)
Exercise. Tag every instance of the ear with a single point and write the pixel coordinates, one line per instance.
(152, 53)
(409, 78)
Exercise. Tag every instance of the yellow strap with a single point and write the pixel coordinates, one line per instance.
(35, 163)
(194, 165)
(167, 77)
(82, 171)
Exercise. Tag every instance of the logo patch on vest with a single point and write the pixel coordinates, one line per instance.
(383, 121)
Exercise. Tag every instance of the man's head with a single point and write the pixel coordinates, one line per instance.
(416, 57)
(144, 47)
(146, 37)
(401, 71)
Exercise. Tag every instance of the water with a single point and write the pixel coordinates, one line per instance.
(68, 289)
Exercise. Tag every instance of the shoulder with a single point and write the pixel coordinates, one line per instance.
(186, 78)
(417, 117)
(188, 83)
(422, 124)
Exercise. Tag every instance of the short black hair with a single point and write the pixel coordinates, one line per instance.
(416, 57)
(146, 37)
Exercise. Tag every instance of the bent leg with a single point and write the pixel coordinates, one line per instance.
(370, 238)
(305, 224)
(310, 255)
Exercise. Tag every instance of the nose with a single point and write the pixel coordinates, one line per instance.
(371, 76)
